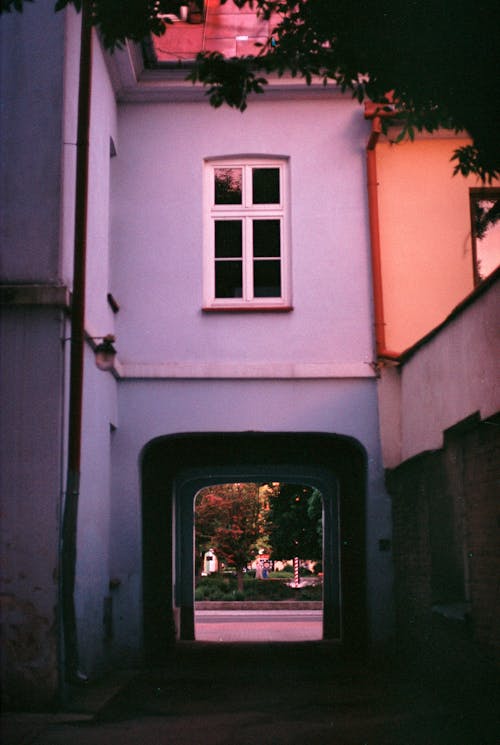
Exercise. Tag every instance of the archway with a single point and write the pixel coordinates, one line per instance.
(175, 467)
(186, 486)
(258, 562)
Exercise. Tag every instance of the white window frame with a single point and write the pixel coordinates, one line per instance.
(247, 212)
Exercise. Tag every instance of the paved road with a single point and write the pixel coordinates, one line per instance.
(258, 625)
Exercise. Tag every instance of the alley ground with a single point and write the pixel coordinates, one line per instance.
(272, 694)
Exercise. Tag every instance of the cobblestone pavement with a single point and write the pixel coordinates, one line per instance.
(274, 694)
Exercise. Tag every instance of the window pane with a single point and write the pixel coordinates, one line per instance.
(228, 279)
(265, 185)
(266, 278)
(266, 238)
(228, 185)
(487, 233)
(228, 243)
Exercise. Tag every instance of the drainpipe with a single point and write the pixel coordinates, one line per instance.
(70, 509)
(374, 112)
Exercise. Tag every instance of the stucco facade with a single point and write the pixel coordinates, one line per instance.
(184, 370)
(180, 369)
(307, 372)
(426, 245)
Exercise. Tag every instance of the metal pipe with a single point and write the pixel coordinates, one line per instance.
(373, 210)
(70, 510)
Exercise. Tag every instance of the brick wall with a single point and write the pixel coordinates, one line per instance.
(446, 524)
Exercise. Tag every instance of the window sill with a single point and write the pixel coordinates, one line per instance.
(247, 308)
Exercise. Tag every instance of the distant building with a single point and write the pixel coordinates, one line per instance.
(210, 563)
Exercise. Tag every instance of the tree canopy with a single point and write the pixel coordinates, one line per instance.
(228, 520)
(294, 522)
(436, 58)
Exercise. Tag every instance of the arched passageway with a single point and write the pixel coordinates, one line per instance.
(175, 467)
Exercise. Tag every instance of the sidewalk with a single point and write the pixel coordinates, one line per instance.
(269, 694)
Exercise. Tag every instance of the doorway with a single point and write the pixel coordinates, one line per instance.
(176, 467)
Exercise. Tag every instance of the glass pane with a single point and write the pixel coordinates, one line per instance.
(487, 232)
(228, 185)
(266, 238)
(267, 279)
(228, 278)
(265, 185)
(228, 239)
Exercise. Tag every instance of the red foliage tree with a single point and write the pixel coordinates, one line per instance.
(228, 520)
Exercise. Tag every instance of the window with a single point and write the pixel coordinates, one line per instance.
(485, 231)
(246, 235)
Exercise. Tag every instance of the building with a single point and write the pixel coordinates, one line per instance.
(231, 258)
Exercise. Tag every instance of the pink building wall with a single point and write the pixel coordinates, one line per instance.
(425, 235)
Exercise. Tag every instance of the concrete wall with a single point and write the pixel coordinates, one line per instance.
(33, 360)
(40, 56)
(30, 146)
(452, 376)
(445, 509)
(443, 479)
(31, 378)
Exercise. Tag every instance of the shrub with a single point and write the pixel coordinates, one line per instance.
(218, 587)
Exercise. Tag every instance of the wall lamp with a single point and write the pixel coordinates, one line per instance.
(105, 352)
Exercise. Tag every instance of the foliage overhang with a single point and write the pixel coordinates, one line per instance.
(438, 58)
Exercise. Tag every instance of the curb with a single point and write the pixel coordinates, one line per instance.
(258, 605)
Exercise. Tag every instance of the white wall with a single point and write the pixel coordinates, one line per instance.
(152, 408)
(168, 347)
(157, 233)
(99, 394)
(452, 376)
(93, 550)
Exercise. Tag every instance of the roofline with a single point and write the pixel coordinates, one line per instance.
(470, 299)
(134, 81)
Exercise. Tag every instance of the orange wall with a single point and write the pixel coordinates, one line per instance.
(426, 249)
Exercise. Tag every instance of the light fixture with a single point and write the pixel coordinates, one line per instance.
(105, 353)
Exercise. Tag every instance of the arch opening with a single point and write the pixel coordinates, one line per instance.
(176, 467)
(258, 562)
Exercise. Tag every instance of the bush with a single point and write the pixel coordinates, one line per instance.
(218, 587)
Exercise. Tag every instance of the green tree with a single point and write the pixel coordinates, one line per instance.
(437, 58)
(228, 519)
(294, 522)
